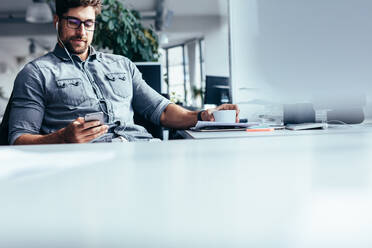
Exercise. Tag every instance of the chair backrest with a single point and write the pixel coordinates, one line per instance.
(4, 127)
(155, 130)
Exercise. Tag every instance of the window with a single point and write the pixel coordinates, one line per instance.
(176, 73)
(184, 65)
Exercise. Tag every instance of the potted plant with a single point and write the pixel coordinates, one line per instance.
(120, 30)
(197, 92)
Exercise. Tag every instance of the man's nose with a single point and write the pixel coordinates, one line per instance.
(82, 29)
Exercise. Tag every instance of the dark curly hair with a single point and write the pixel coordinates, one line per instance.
(62, 6)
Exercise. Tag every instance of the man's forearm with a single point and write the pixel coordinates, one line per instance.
(77, 131)
(35, 139)
(177, 117)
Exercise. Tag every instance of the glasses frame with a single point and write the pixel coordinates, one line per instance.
(80, 22)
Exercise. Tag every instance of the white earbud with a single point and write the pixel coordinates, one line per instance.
(63, 45)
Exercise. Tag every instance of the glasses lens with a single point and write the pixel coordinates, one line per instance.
(73, 23)
(89, 25)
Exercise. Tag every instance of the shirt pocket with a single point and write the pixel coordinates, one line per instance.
(119, 84)
(70, 91)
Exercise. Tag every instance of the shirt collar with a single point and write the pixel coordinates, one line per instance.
(94, 54)
(61, 53)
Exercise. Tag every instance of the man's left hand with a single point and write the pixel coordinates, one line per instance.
(207, 115)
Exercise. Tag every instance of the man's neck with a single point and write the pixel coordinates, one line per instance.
(84, 55)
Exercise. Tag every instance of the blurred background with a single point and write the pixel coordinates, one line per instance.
(261, 55)
(191, 41)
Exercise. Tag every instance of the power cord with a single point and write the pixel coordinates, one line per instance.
(334, 122)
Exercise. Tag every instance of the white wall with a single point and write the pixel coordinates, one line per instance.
(214, 29)
(217, 49)
(297, 50)
(14, 54)
(7, 77)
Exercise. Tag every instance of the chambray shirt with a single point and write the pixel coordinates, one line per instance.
(52, 91)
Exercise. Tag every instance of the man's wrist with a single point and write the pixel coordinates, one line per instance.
(61, 136)
(200, 115)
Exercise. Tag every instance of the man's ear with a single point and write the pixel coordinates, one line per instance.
(55, 21)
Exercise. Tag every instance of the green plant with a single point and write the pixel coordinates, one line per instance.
(198, 93)
(176, 98)
(120, 30)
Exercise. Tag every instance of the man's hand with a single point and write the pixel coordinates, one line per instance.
(177, 117)
(207, 115)
(80, 131)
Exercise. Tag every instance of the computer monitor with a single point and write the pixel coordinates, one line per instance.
(217, 90)
(298, 51)
(152, 74)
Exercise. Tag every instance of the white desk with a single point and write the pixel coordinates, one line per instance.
(333, 129)
(283, 191)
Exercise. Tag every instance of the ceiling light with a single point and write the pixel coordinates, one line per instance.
(39, 12)
(163, 38)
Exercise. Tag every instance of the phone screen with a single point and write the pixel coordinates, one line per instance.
(97, 116)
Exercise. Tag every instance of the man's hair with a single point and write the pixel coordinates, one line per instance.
(62, 6)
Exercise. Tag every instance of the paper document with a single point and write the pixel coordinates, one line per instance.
(205, 125)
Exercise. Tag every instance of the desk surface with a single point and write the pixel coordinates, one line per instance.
(188, 134)
(283, 191)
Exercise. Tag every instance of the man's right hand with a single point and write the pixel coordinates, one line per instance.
(80, 131)
(77, 131)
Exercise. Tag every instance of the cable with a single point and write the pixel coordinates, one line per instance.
(338, 122)
(64, 47)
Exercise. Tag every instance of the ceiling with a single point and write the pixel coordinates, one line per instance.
(191, 9)
(179, 7)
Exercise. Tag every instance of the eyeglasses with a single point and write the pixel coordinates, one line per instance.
(75, 23)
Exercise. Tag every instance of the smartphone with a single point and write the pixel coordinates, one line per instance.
(97, 116)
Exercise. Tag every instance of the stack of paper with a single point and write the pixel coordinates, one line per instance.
(211, 125)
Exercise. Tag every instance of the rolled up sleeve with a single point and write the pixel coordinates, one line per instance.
(28, 104)
(146, 101)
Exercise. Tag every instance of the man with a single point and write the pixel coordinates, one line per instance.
(53, 93)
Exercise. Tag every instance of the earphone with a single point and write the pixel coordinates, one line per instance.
(59, 39)
(102, 108)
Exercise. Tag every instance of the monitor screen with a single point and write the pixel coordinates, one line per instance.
(217, 90)
(152, 74)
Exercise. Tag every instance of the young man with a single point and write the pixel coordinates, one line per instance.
(53, 93)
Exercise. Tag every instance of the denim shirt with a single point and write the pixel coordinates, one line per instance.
(52, 91)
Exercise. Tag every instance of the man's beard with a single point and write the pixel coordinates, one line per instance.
(80, 49)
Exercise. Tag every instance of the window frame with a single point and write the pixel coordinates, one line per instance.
(184, 62)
